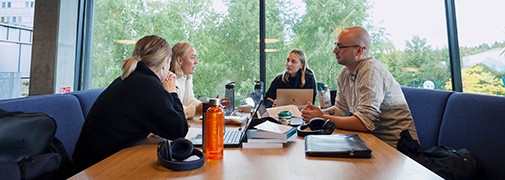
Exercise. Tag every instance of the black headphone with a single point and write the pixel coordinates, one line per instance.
(172, 155)
(317, 126)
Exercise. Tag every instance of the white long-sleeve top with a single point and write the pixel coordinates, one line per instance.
(185, 92)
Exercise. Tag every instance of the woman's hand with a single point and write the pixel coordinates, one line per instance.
(169, 82)
(199, 109)
(274, 102)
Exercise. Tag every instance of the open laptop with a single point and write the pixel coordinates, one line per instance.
(298, 97)
(234, 138)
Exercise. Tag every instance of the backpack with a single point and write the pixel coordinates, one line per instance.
(29, 148)
(445, 161)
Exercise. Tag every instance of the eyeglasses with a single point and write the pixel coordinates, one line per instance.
(338, 47)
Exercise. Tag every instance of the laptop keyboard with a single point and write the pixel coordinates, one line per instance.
(232, 137)
(230, 113)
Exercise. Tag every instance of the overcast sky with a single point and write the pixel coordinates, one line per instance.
(478, 21)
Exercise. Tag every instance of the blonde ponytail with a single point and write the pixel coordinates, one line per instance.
(128, 66)
(152, 50)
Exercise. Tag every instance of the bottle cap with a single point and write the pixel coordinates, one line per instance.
(258, 85)
(285, 117)
(230, 85)
(320, 86)
(214, 102)
(284, 113)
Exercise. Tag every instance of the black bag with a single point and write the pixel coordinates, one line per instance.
(28, 148)
(445, 161)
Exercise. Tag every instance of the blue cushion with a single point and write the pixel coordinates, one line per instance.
(87, 98)
(477, 122)
(427, 109)
(64, 109)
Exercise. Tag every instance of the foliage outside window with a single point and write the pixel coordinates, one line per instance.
(226, 41)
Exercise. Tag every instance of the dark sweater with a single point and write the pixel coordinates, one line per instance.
(125, 113)
(293, 83)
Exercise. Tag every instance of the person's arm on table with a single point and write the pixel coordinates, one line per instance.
(342, 122)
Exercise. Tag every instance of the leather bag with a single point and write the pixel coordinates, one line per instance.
(26, 146)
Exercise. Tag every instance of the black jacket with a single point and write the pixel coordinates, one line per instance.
(125, 113)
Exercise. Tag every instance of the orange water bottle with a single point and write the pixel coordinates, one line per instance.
(214, 130)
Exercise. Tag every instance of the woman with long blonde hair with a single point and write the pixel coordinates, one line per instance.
(296, 75)
(141, 101)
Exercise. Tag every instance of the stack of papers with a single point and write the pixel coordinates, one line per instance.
(268, 135)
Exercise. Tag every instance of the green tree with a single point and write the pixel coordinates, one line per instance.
(316, 33)
(227, 41)
(476, 80)
(118, 24)
(419, 63)
(229, 51)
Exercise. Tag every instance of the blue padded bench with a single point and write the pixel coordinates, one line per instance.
(69, 110)
(65, 109)
(477, 122)
(461, 120)
(427, 109)
(87, 98)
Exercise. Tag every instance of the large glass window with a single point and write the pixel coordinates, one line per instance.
(409, 41)
(15, 57)
(412, 41)
(224, 35)
(481, 31)
(15, 50)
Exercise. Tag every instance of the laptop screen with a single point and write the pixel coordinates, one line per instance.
(260, 111)
(298, 97)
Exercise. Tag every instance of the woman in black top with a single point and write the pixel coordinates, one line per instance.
(296, 75)
(140, 102)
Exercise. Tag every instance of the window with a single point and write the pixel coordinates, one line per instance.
(225, 37)
(3, 32)
(481, 32)
(15, 50)
(26, 36)
(416, 58)
(12, 66)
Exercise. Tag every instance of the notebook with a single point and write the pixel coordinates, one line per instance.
(234, 138)
(298, 97)
(337, 145)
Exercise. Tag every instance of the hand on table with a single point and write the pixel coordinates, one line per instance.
(310, 111)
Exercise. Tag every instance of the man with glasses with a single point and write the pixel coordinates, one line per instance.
(368, 98)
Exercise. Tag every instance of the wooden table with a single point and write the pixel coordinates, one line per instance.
(290, 162)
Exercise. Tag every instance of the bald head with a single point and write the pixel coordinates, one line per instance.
(357, 35)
